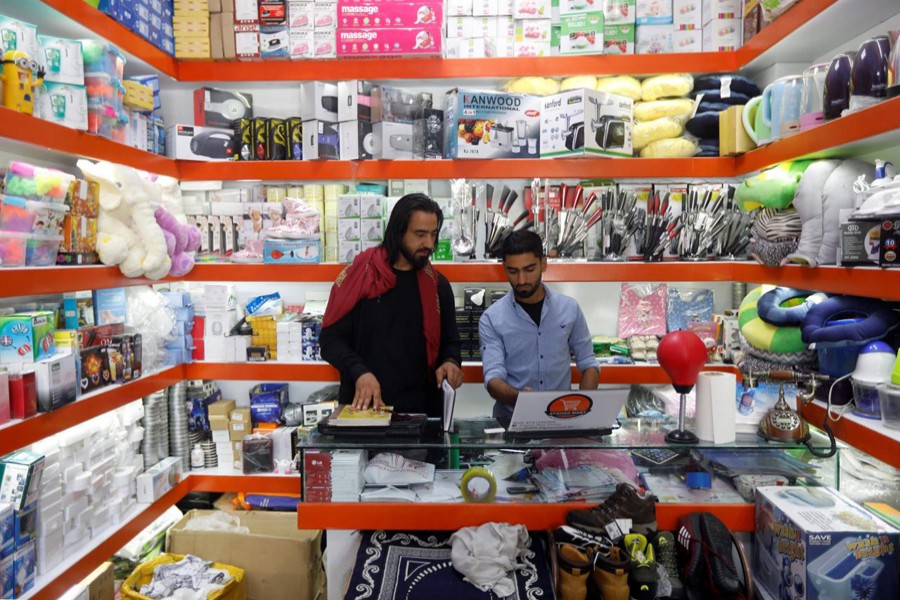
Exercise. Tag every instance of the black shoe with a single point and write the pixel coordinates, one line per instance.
(719, 557)
(624, 503)
(581, 539)
(705, 545)
(664, 547)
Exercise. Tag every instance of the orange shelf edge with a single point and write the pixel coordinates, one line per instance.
(857, 435)
(860, 281)
(37, 132)
(447, 517)
(778, 29)
(54, 280)
(108, 28)
(19, 434)
(245, 483)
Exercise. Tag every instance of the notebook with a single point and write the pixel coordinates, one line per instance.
(566, 413)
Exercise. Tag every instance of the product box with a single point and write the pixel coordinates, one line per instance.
(722, 35)
(63, 104)
(301, 16)
(889, 248)
(533, 30)
(240, 415)
(292, 252)
(7, 530)
(347, 251)
(398, 41)
(25, 567)
(187, 142)
(246, 42)
(753, 19)
(8, 576)
(55, 381)
(860, 242)
(428, 135)
(687, 40)
(300, 44)
(721, 9)
(246, 12)
(159, 479)
(319, 101)
(348, 230)
(325, 15)
(109, 306)
(25, 524)
(20, 478)
(357, 140)
(581, 34)
(653, 12)
(280, 561)
(214, 107)
(618, 12)
(654, 39)
(393, 140)
(272, 12)
(371, 230)
(376, 14)
(586, 123)
(124, 355)
(274, 42)
(527, 9)
(733, 138)
(28, 336)
(355, 100)
(18, 35)
(294, 127)
(324, 43)
(618, 39)
(481, 124)
(687, 14)
(95, 372)
(397, 105)
(812, 543)
(323, 140)
(348, 206)
(61, 59)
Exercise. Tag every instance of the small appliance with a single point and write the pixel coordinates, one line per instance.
(574, 133)
(682, 354)
(836, 97)
(752, 117)
(873, 367)
(791, 106)
(502, 136)
(609, 132)
(771, 104)
(812, 112)
(214, 144)
(894, 66)
(869, 76)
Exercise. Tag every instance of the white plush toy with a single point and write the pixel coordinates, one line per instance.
(127, 233)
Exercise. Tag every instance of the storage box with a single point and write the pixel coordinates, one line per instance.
(481, 124)
(586, 123)
(280, 562)
(29, 337)
(187, 142)
(722, 35)
(101, 583)
(240, 415)
(61, 59)
(814, 544)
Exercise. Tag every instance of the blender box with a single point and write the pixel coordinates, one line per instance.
(422, 40)
(812, 543)
(27, 337)
(586, 123)
(64, 104)
(479, 124)
(618, 39)
(61, 59)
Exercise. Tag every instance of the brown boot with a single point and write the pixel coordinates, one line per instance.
(611, 574)
(574, 568)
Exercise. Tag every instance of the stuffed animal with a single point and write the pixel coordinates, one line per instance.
(127, 233)
(181, 241)
(773, 188)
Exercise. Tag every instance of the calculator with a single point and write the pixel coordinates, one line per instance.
(657, 456)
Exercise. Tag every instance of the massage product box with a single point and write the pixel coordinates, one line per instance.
(812, 543)
(479, 124)
(377, 15)
(421, 40)
(586, 123)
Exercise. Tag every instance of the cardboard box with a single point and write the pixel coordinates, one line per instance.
(860, 243)
(481, 124)
(280, 562)
(824, 544)
(654, 39)
(586, 123)
(222, 409)
(187, 142)
(215, 107)
(238, 431)
(101, 583)
(240, 415)
(733, 138)
(229, 51)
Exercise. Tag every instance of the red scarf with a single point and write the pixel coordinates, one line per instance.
(369, 276)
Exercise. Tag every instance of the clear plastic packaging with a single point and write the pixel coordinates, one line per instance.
(679, 147)
(41, 250)
(647, 132)
(673, 85)
(12, 248)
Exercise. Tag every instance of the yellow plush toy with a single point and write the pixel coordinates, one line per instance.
(536, 86)
(19, 84)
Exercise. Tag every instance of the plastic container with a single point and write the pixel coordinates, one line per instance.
(41, 250)
(14, 214)
(101, 120)
(101, 89)
(865, 397)
(27, 181)
(12, 248)
(31, 216)
(102, 57)
(889, 399)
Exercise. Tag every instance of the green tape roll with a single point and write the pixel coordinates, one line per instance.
(478, 485)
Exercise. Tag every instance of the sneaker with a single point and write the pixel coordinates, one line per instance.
(706, 545)
(642, 576)
(610, 574)
(665, 555)
(624, 503)
(581, 539)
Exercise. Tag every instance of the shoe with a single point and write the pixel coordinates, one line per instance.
(642, 577)
(705, 545)
(574, 568)
(586, 541)
(610, 574)
(665, 551)
(624, 503)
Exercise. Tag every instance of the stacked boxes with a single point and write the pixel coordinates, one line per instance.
(333, 476)
(387, 28)
(480, 29)
(219, 420)
(688, 21)
(578, 27)
(20, 490)
(467, 319)
(180, 344)
(239, 427)
(310, 28)
(151, 19)
(722, 25)
(63, 98)
(264, 342)
(191, 26)
(360, 224)
(655, 26)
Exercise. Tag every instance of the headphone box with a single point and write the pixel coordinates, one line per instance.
(276, 139)
(323, 140)
(187, 142)
(319, 101)
(295, 138)
(355, 100)
(260, 138)
(214, 107)
(357, 140)
(243, 137)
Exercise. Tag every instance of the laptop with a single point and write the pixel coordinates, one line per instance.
(566, 413)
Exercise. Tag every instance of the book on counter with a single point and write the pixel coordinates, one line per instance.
(350, 417)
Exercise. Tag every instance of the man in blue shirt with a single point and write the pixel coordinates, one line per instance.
(529, 335)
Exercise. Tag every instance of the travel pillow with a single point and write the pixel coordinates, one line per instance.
(878, 320)
(704, 125)
(716, 96)
(732, 81)
(773, 188)
(787, 306)
(777, 339)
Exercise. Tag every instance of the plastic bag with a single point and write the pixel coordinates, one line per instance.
(674, 85)
(650, 131)
(686, 305)
(671, 148)
(578, 82)
(217, 521)
(642, 309)
(538, 86)
(679, 109)
(392, 469)
(622, 85)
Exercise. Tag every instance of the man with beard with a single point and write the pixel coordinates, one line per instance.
(529, 335)
(390, 324)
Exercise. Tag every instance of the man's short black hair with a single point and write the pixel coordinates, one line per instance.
(522, 242)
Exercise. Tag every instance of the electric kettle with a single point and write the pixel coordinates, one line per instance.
(868, 78)
(752, 118)
(812, 111)
(894, 67)
(772, 105)
(791, 106)
(836, 97)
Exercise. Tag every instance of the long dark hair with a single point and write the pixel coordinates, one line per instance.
(399, 221)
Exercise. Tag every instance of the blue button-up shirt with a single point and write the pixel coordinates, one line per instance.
(522, 354)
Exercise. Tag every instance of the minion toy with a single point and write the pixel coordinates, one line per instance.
(18, 81)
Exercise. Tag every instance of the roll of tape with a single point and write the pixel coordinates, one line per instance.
(478, 485)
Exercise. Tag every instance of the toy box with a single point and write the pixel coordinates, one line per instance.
(618, 39)
(26, 337)
(815, 544)
(721, 9)
(619, 12)
(61, 59)
(55, 381)
(20, 478)
(481, 124)
(292, 252)
(375, 15)
(687, 40)
(586, 123)
(581, 34)
(398, 41)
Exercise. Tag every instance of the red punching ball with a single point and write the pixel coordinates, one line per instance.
(682, 354)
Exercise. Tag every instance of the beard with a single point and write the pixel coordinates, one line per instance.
(528, 292)
(418, 261)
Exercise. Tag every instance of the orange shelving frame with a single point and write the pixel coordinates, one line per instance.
(779, 29)
(857, 434)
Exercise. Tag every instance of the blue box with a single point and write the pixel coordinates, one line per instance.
(812, 543)
(168, 46)
(8, 577)
(25, 524)
(7, 531)
(109, 306)
(270, 392)
(141, 10)
(142, 28)
(26, 559)
(126, 15)
(199, 411)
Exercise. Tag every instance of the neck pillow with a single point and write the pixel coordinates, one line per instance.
(716, 96)
(732, 82)
(777, 339)
(787, 306)
(878, 319)
(773, 188)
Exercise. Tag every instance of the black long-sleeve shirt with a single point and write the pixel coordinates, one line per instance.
(385, 336)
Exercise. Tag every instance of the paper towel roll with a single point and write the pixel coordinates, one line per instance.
(716, 414)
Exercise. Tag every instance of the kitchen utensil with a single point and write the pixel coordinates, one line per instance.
(812, 112)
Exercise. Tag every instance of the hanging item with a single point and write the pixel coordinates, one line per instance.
(687, 305)
(642, 309)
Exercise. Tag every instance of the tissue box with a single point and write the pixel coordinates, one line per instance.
(822, 545)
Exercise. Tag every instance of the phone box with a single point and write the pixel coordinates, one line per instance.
(55, 381)
(481, 124)
(25, 567)
(530, 9)
(215, 107)
(18, 35)
(393, 140)
(533, 30)
(158, 479)
(586, 123)
(274, 42)
(20, 478)
(246, 42)
(619, 12)
(581, 34)
(397, 105)
(357, 140)
(301, 16)
(721, 9)
(618, 39)
(109, 306)
(28, 336)
(687, 40)
(687, 14)
(62, 60)
(428, 135)
(815, 544)
(376, 14)
(323, 140)
(63, 104)
(300, 44)
(399, 41)
(722, 35)
(653, 12)
(324, 43)
(654, 39)
(246, 12)
(320, 100)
